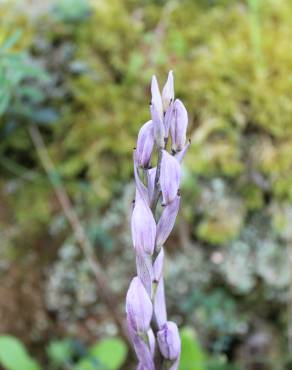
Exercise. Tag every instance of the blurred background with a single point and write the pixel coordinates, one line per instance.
(74, 91)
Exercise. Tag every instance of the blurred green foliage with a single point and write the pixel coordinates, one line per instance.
(192, 357)
(13, 355)
(80, 70)
(107, 354)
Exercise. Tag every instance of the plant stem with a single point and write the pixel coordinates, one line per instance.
(158, 359)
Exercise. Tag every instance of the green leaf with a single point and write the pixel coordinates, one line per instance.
(11, 41)
(60, 351)
(192, 356)
(108, 354)
(13, 355)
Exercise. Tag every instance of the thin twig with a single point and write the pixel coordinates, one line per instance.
(80, 235)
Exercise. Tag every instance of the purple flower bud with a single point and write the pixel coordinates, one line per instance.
(158, 127)
(158, 265)
(138, 307)
(180, 155)
(169, 177)
(145, 270)
(178, 128)
(143, 227)
(169, 341)
(167, 221)
(156, 100)
(159, 304)
(145, 144)
(168, 92)
(150, 182)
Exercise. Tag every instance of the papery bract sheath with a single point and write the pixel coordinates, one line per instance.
(158, 127)
(145, 270)
(156, 100)
(142, 349)
(159, 305)
(143, 227)
(167, 221)
(158, 265)
(151, 173)
(145, 143)
(151, 341)
(141, 190)
(178, 128)
(180, 155)
(169, 118)
(169, 341)
(169, 177)
(138, 307)
(168, 91)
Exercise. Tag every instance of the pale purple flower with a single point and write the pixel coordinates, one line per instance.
(143, 227)
(138, 307)
(155, 340)
(169, 341)
(145, 144)
(178, 127)
(168, 92)
(169, 177)
(158, 127)
(156, 100)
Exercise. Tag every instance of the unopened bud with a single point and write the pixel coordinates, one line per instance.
(169, 341)
(178, 128)
(168, 92)
(145, 144)
(139, 307)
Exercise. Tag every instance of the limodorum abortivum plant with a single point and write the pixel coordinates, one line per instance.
(161, 147)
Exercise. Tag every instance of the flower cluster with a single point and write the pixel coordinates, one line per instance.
(156, 341)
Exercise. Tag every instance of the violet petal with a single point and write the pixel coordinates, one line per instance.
(143, 227)
(138, 307)
(145, 143)
(156, 97)
(179, 127)
(158, 126)
(169, 341)
(168, 91)
(169, 177)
